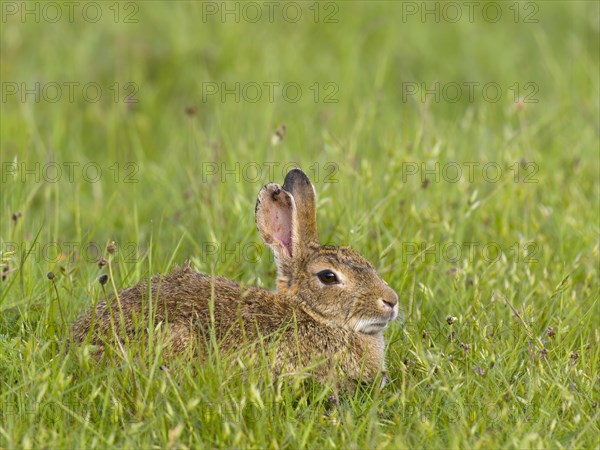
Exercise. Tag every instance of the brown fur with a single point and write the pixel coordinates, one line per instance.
(310, 320)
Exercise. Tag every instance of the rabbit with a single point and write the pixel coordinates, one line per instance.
(330, 305)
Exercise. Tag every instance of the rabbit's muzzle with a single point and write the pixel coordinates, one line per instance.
(391, 308)
(389, 304)
(386, 304)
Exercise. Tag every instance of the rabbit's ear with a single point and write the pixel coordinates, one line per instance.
(275, 219)
(298, 184)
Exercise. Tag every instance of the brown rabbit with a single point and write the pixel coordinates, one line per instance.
(330, 306)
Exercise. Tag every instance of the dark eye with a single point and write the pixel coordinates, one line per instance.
(327, 277)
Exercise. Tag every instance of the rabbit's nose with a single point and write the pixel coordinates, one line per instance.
(388, 303)
(390, 298)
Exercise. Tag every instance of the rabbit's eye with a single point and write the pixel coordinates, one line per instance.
(327, 277)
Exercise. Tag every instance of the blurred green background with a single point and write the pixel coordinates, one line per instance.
(177, 103)
(168, 57)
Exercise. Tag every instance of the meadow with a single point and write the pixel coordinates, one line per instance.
(456, 146)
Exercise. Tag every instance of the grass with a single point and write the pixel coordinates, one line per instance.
(497, 275)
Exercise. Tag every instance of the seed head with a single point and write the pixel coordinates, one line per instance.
(111, 248)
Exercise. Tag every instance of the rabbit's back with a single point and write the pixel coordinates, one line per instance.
(190, 305)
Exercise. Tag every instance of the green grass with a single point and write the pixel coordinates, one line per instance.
(495, 378)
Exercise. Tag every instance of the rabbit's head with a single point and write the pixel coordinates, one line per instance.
(335, 283)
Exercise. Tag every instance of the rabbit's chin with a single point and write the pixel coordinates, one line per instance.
(371, 326)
